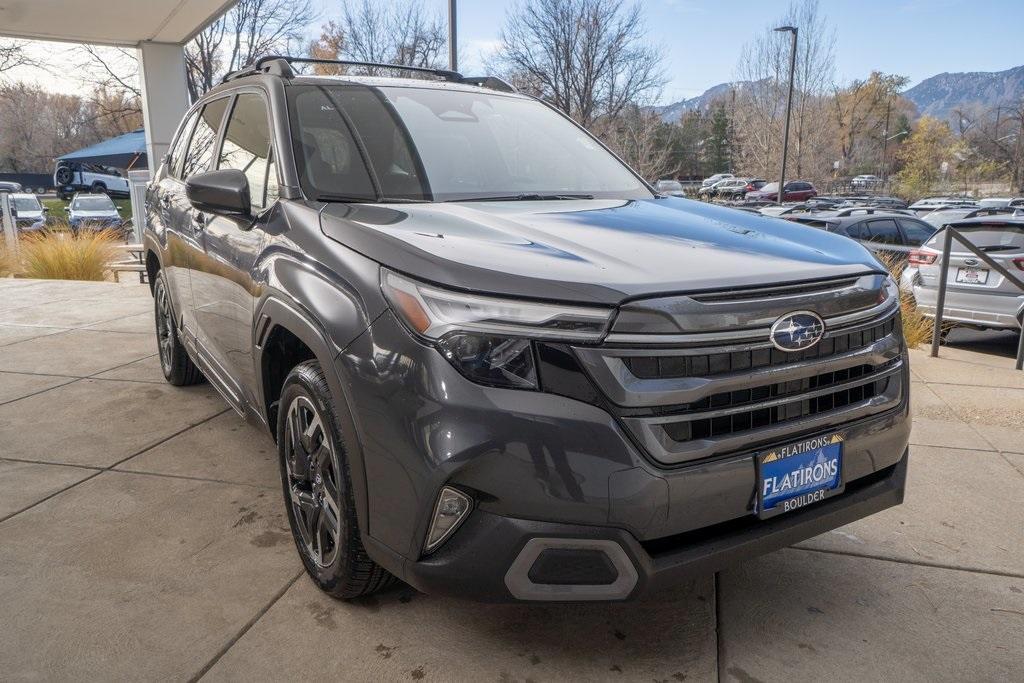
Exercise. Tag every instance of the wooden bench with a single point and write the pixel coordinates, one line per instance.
(131, 264)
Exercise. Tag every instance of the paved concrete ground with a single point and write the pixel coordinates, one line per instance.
(142, 536)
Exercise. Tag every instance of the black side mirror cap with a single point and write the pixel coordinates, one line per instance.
(223, 191)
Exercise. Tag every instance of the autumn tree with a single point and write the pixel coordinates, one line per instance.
(861, 114)
(931, 144)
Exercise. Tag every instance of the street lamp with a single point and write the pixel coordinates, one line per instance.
(453, 48)
(789, 107)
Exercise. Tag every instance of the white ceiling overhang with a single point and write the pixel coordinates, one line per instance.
(109, 22)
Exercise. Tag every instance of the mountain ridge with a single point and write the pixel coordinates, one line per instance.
(937, 95)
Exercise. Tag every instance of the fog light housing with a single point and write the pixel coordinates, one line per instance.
(449, 512)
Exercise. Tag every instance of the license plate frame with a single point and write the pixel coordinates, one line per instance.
(788, 459)
(961, 275)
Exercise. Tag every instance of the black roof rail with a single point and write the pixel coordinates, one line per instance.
(280, 65)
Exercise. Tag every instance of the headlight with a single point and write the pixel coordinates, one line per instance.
(488, 339)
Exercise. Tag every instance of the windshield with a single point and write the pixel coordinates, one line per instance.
(26, 204)
(669, 185)
(96, 203)
(356, 143)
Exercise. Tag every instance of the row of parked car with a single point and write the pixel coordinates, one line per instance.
(84, 212)
(912, 236)
(726, 186)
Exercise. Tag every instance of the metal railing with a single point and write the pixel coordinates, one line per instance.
(940, 304)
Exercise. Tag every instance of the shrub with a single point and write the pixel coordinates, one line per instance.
(917, 329)
(62, 255)
(8, 264)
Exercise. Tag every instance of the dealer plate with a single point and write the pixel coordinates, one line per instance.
(799, 474)
(972, 276)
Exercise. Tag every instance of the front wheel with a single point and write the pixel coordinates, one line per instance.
(177, 367)
(317, 488)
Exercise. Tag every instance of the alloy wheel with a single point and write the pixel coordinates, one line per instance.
(313, 476)
(164, 337)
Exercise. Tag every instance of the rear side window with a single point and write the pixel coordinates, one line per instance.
(204, 137)
(916, 232)
(247, 148)
(178, 148)
(885, 232)
(858, 231)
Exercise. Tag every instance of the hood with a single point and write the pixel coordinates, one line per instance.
(591, 251)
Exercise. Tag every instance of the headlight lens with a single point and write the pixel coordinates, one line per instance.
(488, 339)
(498, 361)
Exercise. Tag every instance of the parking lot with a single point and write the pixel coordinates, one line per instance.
(143, 536)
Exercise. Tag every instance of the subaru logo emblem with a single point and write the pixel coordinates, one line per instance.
(797, 331)
(970, 261)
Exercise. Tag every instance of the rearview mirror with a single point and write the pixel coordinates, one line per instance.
(223, 191)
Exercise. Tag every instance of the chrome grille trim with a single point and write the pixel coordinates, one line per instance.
(756, 335)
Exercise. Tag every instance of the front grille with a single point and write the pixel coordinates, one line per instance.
(710, 364)
(757, 418)
(687, 404)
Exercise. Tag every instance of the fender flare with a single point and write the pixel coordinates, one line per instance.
(275, 312)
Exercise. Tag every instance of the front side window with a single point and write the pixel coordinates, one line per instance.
(178, 148)
(204, 137)
(426, 144)
(247, 148)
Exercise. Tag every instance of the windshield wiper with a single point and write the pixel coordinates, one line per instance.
(525, 197)
(354, 199)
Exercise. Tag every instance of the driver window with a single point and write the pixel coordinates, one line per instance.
(247, 147)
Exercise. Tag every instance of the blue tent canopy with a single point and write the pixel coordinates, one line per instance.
(124, 151)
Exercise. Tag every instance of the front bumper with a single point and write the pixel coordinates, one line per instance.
(482, 561)
(542, 465)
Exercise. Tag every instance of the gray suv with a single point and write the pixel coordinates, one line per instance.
(496, 363)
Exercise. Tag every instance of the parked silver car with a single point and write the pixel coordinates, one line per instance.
(976, 295)
(672, 188)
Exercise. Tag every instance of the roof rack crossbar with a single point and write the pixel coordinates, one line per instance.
(274, 63)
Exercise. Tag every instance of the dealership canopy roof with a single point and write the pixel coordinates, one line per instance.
(124, 151)
(109, 22)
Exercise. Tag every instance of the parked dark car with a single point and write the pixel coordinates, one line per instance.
(93, 212)
(496, 363)
(795, 191)
(881, 231)
(8, 186)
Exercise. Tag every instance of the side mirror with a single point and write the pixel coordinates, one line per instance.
(224, 191)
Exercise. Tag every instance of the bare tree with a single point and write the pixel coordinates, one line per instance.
(385, 32)
(251, 29)
(642, 140)
(764, 74)
(589, 58)
(13, 54)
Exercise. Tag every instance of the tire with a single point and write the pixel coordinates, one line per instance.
(317, 486)
(64, 175)
(178, 368)
(98, 188)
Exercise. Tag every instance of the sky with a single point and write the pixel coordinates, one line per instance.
(702, 39)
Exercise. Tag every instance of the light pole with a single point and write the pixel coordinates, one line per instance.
(453, 48)
(789, 108)
(885, 149)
